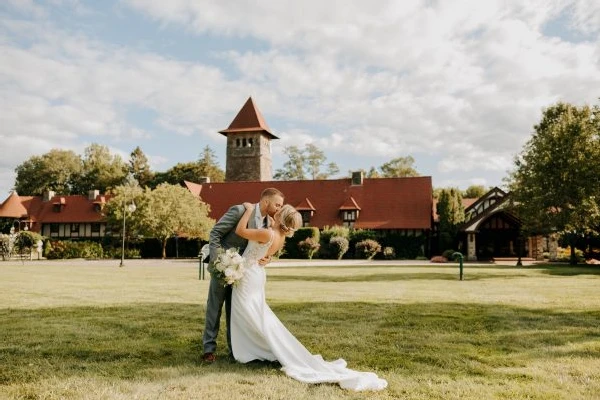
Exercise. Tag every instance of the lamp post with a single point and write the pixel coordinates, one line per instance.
(131, 208)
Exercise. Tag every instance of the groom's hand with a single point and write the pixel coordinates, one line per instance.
(264, 261)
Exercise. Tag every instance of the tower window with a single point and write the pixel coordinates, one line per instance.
(244, 142)
(250, 142)
(237, 142)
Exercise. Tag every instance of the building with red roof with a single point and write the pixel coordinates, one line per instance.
(57, 216)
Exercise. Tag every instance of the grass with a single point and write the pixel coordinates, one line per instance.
(95, 331)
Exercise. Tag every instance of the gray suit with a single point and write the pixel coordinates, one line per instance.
(222, 236)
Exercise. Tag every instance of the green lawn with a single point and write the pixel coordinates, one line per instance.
(95, 331)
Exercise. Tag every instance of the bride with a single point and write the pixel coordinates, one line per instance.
(257, 333)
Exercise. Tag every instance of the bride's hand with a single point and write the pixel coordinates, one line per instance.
(248, 206)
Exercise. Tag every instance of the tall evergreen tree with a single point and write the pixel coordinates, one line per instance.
(140, 168)
(451, 214)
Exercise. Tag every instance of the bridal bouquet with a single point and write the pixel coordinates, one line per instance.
(229, 266)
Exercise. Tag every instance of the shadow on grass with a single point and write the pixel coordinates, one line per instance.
(569, 270)
(447, 339)
(451, 275)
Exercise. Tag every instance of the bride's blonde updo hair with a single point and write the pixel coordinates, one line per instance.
(289, 220)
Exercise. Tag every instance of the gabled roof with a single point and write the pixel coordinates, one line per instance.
(385, 203)
(12, 207)
(194, 188)
(248, 119)
(305, 205)
(73, 209)
(350, 204)
(494, 201)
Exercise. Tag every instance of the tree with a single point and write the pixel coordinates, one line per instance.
(172, 209)
(474, 192)
(140, 168)
(555, 184)
(399, 167)
(101, 170)
(373, 173)
(305, 163)
(56, 170)
(122, 195)
(451, 214)
(208, 166)
(177, 174)
(293, 168)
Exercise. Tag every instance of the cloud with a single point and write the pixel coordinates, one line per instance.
(461, 83)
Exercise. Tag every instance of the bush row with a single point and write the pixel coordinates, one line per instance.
(341, 242)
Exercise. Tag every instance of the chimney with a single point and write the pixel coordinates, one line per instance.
(357, 178)
(48, 195)
(92, 194)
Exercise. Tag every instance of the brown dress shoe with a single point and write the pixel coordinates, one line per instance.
(209, 357)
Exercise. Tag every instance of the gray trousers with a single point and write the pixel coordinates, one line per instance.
(217, 295)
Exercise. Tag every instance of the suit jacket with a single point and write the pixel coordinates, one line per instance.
(223, 236)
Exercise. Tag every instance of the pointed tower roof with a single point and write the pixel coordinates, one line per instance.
(248, 119)
(12, 207)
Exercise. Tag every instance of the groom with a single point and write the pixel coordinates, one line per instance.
(222, 236)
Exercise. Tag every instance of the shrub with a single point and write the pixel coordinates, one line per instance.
(357, 236)
(327, 234)
(339, 245)
(292, 250)
(66, 249)
(7, 243)
(389, 253)
(447, 254)
(439, 259)
(308, 247)
(367, 249)
(564, 255)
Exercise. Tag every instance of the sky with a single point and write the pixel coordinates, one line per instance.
(458, 85)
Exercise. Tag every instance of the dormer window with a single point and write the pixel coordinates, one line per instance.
(58, 205)
(306, 210)
(349, 216)
(306, 214)
(349, 212)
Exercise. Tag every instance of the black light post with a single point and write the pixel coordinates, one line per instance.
(131, 208)
(519, 250)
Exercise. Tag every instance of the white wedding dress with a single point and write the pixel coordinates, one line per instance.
(257, 334)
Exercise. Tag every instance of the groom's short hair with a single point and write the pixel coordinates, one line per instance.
(270, 192)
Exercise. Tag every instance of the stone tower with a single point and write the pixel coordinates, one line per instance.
(248, 146)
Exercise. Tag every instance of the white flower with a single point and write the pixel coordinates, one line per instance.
(229, 266)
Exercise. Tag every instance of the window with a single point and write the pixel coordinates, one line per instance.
(97, 207)
(96, 228)
(349, 215)
(305, 217)
(56, 207)
(74, 229)
(53, 229)
(250, 142)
